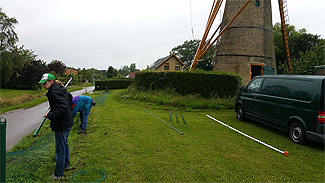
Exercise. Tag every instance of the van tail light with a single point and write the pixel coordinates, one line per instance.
(321, 117)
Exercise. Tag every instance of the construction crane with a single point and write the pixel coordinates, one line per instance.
(284, 22)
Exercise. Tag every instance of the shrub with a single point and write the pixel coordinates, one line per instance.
(114, 84)
(206, 84)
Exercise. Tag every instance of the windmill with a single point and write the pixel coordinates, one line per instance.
(244, 39)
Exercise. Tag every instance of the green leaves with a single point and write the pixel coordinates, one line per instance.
(206, 84)
(8, 37)
(306, 50)
(186, 53)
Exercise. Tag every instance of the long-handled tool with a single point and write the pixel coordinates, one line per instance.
(44, 118)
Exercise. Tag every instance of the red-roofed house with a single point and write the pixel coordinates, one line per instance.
(131, 75)
(68, 71)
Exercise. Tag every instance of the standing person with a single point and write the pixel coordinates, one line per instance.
(83, 105)
(61, 121)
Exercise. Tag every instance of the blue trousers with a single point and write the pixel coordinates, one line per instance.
(61, 151)
(84, 117)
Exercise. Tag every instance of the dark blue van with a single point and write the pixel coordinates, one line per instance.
(291, 103)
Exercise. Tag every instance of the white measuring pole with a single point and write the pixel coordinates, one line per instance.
(267, 145)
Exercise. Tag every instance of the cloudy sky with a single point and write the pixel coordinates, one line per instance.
(102, 33)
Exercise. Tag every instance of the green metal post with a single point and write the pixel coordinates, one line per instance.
(3, 124)
(176, 118)
(183, 119)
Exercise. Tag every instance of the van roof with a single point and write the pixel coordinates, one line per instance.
(294, 76)
(320, 66)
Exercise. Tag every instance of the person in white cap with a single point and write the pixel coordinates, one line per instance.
(61, 121)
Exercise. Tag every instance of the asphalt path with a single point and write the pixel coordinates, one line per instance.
(22, 122)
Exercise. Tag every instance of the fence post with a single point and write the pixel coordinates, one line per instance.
(3, 125)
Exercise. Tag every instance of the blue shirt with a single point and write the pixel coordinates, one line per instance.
(81, 104)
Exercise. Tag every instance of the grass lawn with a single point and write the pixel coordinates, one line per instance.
(126, 144)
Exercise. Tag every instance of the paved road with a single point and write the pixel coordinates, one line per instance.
(22, 122)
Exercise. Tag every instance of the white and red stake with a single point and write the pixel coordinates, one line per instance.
(285, 153)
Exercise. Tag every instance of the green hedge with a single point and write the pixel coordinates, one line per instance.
(207, 84)
(114, 84)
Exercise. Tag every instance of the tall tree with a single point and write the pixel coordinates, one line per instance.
(12, 63)
(124, 70)
(95, 74)
(186, 53)
(111, 72)
(8, 36)
(307, 61)
(299, 43)
(133, 67)
(85, 74)
(57, 66)
(31, 74)
(8, 39)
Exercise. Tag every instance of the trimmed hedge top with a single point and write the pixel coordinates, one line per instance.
(114, 84)
(207, 84)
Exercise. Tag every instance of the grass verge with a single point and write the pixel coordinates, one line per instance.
(129, 145)
(11, 99)
(173, 99)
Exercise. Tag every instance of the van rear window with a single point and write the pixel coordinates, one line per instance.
(293, 89)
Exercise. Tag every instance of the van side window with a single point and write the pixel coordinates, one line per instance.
(254, 86)
(287, 88)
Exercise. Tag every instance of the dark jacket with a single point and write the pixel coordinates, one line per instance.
(60, 102)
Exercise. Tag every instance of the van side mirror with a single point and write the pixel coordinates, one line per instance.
(243, 88)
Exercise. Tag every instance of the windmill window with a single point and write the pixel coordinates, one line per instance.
(258, 3)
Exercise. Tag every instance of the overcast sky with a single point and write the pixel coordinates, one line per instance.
(102, 33)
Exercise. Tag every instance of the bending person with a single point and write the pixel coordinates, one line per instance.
(83, 105)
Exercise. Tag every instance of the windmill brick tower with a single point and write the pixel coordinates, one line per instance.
(247, 46)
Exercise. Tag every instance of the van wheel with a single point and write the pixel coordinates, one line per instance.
(297, 133)
(240, 113)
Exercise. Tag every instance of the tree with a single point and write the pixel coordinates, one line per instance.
(8, 37)
(299, 43)
(57, 66)
(133, 67)
(186, 53)
(6, 68)
(111, 72)
(90, 74)
(96, 74)
(86, 74)
(124, 70)
(12, 63)
(31, 74)
(307, 61)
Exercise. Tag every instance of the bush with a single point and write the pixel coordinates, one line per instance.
(114, 84)
(206, 84)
